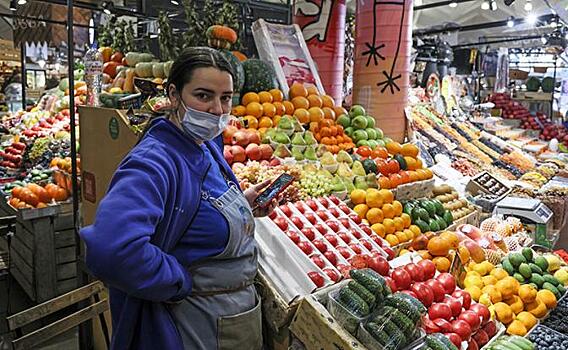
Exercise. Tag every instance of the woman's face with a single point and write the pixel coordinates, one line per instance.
(209, 90)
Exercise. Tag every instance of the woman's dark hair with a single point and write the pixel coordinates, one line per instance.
(191, 59)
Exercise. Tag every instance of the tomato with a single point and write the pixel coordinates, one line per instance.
(465, 296)
(379, 264)
(401, 278)
(428, 267)
(364, 151)
(462, 329)
(440, 310)
(471, 318)
(416, 273)
(437, 289)
(448, 281)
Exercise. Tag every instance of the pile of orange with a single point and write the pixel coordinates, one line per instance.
(263, 110)
(385, 215)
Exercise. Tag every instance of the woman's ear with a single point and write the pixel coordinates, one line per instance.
(173, 95)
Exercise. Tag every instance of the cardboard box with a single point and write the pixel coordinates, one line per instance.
(105, 139)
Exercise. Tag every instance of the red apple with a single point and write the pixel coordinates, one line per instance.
(331, 257)
(481, 337)
(415, 272)
(321, 228)
(455, 339)
(367, 244)
(318, 261)
(345, 222)
(305, 247)
(320, 245)
(334, 199)
(312, 204)
(311, 218)
(448, 281)
(428, 267)
(334, 212)
(253, 152)
(331, 238)
(345, 209)
(391, 283)
(454, 304)
(424, 293)
(294, 236)
(462, 329)
(356, 233)
(465, 296)
(355, 218)
(300, 207)
(309, 233)
(282, 223)
(440, 310)
(356, 248)
(317, 278)
(344, 237)
(322, 214)
(379, 264)
(286, 210)
(472, 345)
(366, 229)
(334, 276)
(482, 311)
(272, 215)
(401, 278)
(471, 318)
(344, 252)
(324, 202)
(334, 225)
(297, 222)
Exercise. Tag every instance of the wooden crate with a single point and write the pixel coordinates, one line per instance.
(43, 252)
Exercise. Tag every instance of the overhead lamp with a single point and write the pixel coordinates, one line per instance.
(453, 3)
(108, 6)
(528, 6)
(22, 2)
(531, 19)
(174, 2)
(13, 5)
(485, 5)
(543, 40)
(511, 22)
(493, 5)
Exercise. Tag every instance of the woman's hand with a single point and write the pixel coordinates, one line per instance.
(253, 192)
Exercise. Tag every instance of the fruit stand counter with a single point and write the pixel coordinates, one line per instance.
(43, 250)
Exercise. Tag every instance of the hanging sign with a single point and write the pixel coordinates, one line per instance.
(33, 28)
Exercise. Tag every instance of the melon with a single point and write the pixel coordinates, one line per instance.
(259, 76)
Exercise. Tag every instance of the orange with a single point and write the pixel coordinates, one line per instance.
(316, 115)
(239, 111)
(442, 263)
(414, 176)
(298, 89)
(328, 113)
(358, 196)
(268, 109)
(254, 109)
(409, 150)
(392, 240)
(280, 109)
(339, 111)
(389, 226)
(400, 236)
(250, 97)
(374, 198)
(250, 122)
(361, 210)
(387, 195)
(419, 163)
(398, 224)
(394, 147)
(428, 173)
(384, 182)
(312, 90)
(300, 102)
(374, 216)
(397, 208)
(379, 229)
(415, 229)
(406, 220)
(265, 96)
(315, 101)
(303, 115)
(277, 95)
(410, 163)
(276, 119)
(265, 122)
(409, 235)
(328, 101)
(288, 107)
(388, 210)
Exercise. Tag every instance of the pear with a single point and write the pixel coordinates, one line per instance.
(358, 169)
(297, 126)
(298, 140)
(325, 173)
(285, 123)
(281, 137)
(344, 157)
(321, 150)
(328, 159)
(309, 138)
(310, 168)
(348, 184)
(344, 171)
(371, 181)
(337, 184)
(360, 183)
(310, 153)
(282, 151)
(297, 154)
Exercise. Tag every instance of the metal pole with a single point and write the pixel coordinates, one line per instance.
(553, 89)
(24, 74)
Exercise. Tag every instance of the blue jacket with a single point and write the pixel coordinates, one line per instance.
(151, 201)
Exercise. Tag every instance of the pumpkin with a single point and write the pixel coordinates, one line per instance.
(168, 68)
(221, 37)
(133, 58)
(144, 69)
(158, 70)
(110, 68)
(117, 57)
(241, 56)
(438, 246)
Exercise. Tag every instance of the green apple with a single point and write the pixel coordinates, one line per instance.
(361, 143)
(370, 121)
(349, 131)
(380, 133)
(372, 133)
(360, 135)
(356, 110)
(344, 120)
(359, 122)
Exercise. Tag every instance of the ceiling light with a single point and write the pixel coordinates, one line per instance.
(543, 39)
(174, 2)
(454, 4)
(531, 19)
(153, 36)
(493, 5)
(22, 2)
(13, 5)
(107, 7)
(511, 22)
(528, 6)
(485, 5)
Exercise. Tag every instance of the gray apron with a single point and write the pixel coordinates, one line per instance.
(223, 310)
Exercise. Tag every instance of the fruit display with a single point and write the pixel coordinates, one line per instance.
(384, 214)
(448, 196)
(429, 214)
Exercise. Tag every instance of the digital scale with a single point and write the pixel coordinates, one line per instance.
(536, 216)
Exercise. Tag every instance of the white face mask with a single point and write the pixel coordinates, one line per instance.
(203, 126)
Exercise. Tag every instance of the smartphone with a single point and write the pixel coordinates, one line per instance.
(273, 190)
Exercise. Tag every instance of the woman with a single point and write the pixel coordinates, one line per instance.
(173, 238)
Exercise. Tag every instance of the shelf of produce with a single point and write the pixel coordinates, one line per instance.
(43, 250)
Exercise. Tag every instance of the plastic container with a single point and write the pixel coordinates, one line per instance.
(344, 317)
(372, 344)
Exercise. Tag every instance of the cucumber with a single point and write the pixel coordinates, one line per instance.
(361, 291)
(353, 302)
(377, 332)
(521, 342)
(372, 282)
(421, 308)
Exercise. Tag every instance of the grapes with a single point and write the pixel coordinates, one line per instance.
(254, 173)
(315, 185)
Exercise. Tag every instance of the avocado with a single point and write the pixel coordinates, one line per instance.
(525, 270)
(422, 225)
(430, 207)
(401, 162)
(537, 279)
(408, 208)
(551, 288)
(528, 254)
(448, 217)
(541, 262)
(519, 277)
(423, 214)
(517, 259)
(551, 279)
(439, 207)
(370, 166)
(433, 224)
(506, 264)
(536, 269)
